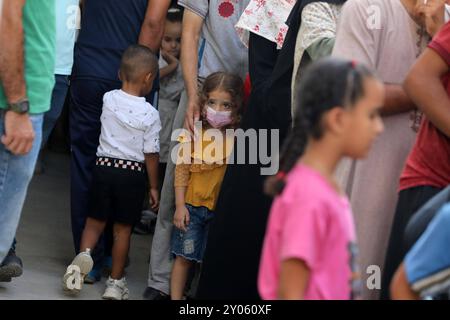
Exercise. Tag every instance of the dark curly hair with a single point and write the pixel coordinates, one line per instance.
(227, 82)
(326, 84)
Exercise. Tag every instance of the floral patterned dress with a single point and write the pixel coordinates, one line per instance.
(266, 18)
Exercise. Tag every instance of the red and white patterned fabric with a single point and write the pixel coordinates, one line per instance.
(266, 18)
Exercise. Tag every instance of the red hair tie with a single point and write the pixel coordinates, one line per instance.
(281, 175)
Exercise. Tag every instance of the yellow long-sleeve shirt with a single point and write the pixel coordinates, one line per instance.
(202, 170)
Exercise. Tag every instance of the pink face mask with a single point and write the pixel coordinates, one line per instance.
(218, 119)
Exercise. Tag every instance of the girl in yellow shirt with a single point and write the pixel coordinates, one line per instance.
(199, 172)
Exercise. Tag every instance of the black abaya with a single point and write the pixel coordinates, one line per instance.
(231, 261)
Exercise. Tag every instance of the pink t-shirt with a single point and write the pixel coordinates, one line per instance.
(312, 222)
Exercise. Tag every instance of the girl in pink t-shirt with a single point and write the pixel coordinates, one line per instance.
(310, 247)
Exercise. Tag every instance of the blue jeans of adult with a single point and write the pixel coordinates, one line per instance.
(15, 175)
(58, 98)
(50, 117)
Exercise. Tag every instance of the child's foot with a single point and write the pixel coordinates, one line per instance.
(116, 289)
(76, 272)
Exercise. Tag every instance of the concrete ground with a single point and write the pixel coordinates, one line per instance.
(45, 242)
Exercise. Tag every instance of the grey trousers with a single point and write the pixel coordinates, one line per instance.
(160, 263)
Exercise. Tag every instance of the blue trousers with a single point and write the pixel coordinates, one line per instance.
(15, 175)
(58, 98)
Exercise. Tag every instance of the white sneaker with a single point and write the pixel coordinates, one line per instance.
(116, 289)
(76, 272)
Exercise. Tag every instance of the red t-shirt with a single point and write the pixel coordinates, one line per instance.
(428, 163)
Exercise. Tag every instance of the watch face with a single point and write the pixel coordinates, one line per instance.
(20, 107)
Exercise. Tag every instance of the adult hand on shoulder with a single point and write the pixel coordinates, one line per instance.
(19, 133)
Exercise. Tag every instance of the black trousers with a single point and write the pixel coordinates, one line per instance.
(409, 201)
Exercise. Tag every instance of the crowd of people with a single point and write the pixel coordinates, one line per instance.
(350, 98)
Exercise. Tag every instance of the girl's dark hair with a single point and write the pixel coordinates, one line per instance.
(175, 13)
(227, 82)
(326, 84)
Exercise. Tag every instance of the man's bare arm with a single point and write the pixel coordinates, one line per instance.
(397, 101)
(19, 133)
(425, 87)
(153, 27)
(12, 50)
(192, 26)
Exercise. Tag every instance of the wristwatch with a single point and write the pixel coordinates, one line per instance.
(21, 107)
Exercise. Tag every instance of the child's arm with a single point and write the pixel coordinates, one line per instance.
(294, 277)
(152, 163)
(400, 288)
(171, 67)
(181, 217)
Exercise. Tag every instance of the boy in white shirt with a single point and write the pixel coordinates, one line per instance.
(129, 146)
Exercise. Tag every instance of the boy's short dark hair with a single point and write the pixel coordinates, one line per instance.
(136, 61)
(175, 14)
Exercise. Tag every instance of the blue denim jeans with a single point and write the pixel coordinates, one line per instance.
(192, 243)
(15, 175)
(58, 98)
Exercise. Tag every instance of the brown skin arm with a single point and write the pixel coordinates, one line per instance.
(153, 27)
(294, 277)
(12, 50)
(424, 85)
(400, 288)
(192, 26)
(167, 70)
(396, 101)
(152, 163)
(181, 217)
(171, 66)
(19, 134)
